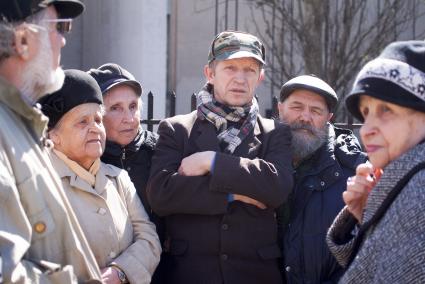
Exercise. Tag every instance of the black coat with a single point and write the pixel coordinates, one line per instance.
(211, 240)
(136, 159)
(311, 209)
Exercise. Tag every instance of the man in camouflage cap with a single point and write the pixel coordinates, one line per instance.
(219, 172)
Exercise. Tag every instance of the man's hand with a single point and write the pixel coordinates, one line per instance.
(249, 200)
(358, 188)
(110, 275)
(197, 164)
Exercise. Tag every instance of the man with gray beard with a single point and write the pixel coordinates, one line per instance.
(40, 238)
(324, 156)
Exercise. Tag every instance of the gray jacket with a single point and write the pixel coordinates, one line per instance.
(393, 250)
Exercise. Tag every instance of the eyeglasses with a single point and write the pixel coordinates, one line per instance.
(62, 26)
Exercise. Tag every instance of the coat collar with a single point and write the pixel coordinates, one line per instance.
(102, 182)
(12, 98)
(393, 172)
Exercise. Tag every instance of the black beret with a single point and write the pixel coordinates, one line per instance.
(19, 10)
(110, 75)
(78, 88)
(397, 76)
(313, 84)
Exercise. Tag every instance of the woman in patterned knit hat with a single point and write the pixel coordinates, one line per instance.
(379, 235)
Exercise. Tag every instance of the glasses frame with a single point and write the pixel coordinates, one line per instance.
(62, 26)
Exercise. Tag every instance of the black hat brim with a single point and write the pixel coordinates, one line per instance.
(383, 90)
(67, 8)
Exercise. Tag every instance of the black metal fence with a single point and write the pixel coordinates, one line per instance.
(150, 121)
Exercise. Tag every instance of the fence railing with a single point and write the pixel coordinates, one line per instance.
(150, 121)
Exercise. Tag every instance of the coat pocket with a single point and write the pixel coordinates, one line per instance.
(269, 252)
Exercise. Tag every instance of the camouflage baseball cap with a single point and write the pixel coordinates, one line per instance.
(236, 44)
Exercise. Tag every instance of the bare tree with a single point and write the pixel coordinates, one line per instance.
(329, 38)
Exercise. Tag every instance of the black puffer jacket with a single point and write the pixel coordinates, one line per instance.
(315, 202)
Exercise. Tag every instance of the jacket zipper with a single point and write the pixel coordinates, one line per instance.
(123, 158)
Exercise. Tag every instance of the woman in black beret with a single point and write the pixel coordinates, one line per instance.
(123, 240)
(380, 235)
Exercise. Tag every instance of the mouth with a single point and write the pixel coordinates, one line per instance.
(372, 148)
(94, 141)
(239, 91)
(127, 131)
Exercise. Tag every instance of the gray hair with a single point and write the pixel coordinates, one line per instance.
(7, 33)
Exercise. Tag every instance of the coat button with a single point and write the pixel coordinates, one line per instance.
(336, 174)
(101, 211)
(112, 254)
(288, 269)
(322, 183)
(224, 256)
(225, 227)
(40, 227)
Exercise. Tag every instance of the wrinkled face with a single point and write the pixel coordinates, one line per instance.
(234, 80)
(43, 74)
(122, 116)
(307, 114)
(80, 134)
(389, 130)
(305, 107)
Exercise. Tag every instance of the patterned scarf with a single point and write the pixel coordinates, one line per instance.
(219, 114)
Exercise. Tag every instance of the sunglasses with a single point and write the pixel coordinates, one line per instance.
(62, 26)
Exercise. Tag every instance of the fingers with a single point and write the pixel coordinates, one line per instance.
(249, 200)
(364, 169)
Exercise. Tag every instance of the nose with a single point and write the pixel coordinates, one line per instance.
(305, 116)
(368, 128)
(62, 39)
(128, 116)
(240, 77)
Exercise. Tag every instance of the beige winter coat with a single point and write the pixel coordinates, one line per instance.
(114, 220)
(37, 223)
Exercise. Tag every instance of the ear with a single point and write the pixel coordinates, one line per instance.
(280, 107)
(330, 116)
(209, 74)
(21, 43)
(261, 77)
(55, 137)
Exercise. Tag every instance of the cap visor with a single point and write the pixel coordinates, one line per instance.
(240, 54)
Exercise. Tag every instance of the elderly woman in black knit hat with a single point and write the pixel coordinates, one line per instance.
(380, 234)
(122, 238)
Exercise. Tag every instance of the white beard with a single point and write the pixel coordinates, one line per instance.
(39, 78)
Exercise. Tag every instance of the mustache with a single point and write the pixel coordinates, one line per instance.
(303, 126)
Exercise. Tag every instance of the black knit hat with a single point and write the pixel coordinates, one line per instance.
(396, 76)
(110, 75)
(311, 83)
(18, 10)
(78, 88)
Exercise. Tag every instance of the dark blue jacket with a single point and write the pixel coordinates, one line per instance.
(315, 202)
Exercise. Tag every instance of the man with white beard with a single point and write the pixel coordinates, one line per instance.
(324, 156)
(40, 238)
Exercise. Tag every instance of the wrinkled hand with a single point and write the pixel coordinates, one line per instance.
(249, 200)
(110, 276)
(197, 164)
(359, 187)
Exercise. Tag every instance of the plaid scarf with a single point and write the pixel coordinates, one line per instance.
(219, 114)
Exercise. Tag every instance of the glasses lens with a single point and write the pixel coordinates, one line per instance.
(64, 27)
